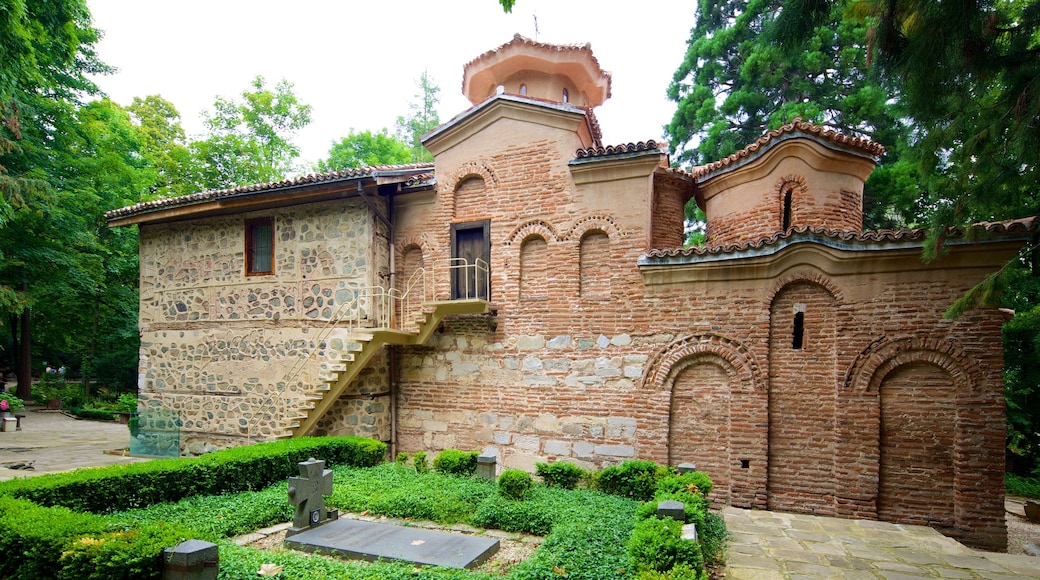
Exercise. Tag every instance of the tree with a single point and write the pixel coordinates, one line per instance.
(163, 145)
(966, 73)
(250, 141)
(46, 53)
(734, 85)
(365, 149)
(422, 118)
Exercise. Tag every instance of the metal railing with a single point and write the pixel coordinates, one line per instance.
(376, 308)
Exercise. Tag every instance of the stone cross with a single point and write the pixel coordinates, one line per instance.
(306, 491)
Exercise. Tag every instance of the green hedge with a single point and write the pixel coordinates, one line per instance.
(249, 468)
(55, 542)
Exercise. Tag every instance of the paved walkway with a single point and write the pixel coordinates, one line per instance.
(771, 545)
(52, 441)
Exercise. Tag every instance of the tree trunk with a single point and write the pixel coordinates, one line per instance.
(25, 358)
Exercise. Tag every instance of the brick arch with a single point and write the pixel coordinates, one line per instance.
(668, 362)
(815, 278)
(796, 184)
(421, 241)
(467, 170)
(884, 356)
(603, 223)
(531, 228)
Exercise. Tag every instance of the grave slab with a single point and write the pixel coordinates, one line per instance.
(358, 540)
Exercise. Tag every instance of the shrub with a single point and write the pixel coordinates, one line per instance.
(657, 545)
(401, 459)
(92, 413)
(513, 516)
(694, 506)
(560, 474)
(515, 484)
(635, 479)
(695, 482)
(127, 403)
(419, 462)
(102, 490)
(455, 462)
(13, 403)
(1022, 486)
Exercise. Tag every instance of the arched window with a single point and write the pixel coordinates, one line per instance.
(566, 96)
(523, 89)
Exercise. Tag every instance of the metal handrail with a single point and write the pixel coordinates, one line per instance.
(420, 288)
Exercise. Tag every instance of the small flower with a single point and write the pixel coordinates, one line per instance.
(3, 405)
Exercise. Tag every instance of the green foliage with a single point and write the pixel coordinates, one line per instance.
(396, 491)
(657, 545)
(401, 459)
(694, 482)
(421, 119)
(560, 474)
(455, 462)
(250, 141)
(131, 553)
(635, 479)
(419, 462)
(127, 403)
(227, 515)
(505, 513)
(135, 485)
(92, 413)
(365, 149)
(1022, 486)
(515, 484)
(13, 402)
(32, 538)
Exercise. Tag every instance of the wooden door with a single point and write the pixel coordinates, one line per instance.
(471, 248)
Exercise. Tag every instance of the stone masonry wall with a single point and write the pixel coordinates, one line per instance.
(218, 346)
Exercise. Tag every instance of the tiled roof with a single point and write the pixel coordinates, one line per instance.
(641, 146)
(520, 39)
(796, 126)
(301, 181)
(876, 237)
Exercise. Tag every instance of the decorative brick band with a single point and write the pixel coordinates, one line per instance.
(885, 355)
(472, 169)
(666, 364)
(603, 223)
(807, 276)
(532, 228)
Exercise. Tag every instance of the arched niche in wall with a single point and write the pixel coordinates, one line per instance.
(594, 265)
(470, 198)
(534, 268)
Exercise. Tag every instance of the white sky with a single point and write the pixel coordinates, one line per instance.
(357, 63)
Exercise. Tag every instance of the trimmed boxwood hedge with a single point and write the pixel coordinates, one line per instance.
(50, 527)
(118, 487)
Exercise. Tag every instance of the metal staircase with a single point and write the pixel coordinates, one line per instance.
(396, 318)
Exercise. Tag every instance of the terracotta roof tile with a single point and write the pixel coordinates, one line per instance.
(796, 126)
(520, 39)
(303, 180)
(995, 229)
(609, 150)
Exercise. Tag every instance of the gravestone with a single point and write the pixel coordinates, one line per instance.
(486, 466)
(307, 494)
(372, 541)
(686, 467)
(671, 509)
(191, 560)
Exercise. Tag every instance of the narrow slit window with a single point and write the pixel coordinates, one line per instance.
(798, 338)
(523, 89)
(787, 210)
(259, 247)
(566, 96)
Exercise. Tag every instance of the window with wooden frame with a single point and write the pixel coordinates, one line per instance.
(259, 246)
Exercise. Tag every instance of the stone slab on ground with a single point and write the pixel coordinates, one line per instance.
(358, 540)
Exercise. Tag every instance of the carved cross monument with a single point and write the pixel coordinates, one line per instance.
(306, 491)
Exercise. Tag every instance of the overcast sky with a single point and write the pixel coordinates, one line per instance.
(357, 63)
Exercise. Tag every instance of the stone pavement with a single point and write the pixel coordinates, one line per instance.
(53, 442)
(767, 545)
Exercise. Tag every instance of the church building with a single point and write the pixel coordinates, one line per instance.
(528, 295)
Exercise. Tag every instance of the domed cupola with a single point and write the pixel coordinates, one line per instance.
(548, 72)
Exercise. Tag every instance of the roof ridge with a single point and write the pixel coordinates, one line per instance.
(797, 125)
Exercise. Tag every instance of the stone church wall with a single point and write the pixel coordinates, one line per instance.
(220, 347)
